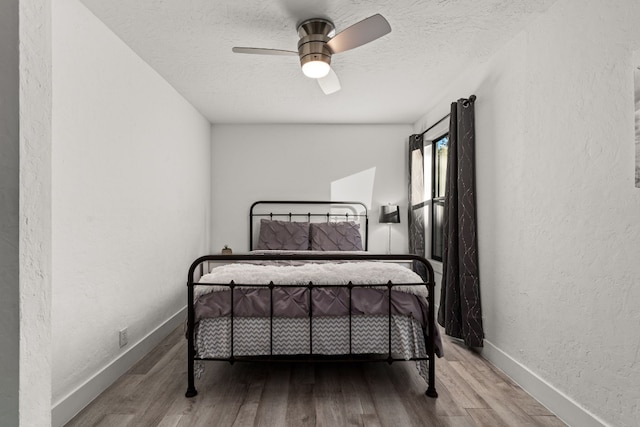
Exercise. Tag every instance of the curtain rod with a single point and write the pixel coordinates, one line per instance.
(472, 98)
(435, 124)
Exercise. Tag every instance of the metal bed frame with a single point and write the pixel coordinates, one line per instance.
(417, 262)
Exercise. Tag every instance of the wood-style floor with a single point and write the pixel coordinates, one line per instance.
(472, 393)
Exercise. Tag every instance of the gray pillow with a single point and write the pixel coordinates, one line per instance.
(283, 235)
(336, 236)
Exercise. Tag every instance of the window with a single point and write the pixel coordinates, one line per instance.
(428, 173)
(438, 168)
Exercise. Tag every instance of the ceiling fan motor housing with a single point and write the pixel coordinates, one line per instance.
(314, 35)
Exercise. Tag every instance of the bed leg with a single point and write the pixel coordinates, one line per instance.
(191, 388)
(431, 339)
(431, 386)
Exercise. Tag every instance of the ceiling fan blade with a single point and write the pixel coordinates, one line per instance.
(260, 51)
(329, 83)
(360, 33)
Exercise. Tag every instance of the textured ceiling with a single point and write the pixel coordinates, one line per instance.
(387, 81)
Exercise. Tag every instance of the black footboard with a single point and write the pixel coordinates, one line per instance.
(419, 263)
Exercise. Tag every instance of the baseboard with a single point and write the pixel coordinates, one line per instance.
(553, 399)
(69, 406)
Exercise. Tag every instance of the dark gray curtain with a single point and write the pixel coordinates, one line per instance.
(460, 312)
(416, 190)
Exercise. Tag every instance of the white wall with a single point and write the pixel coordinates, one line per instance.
(299, 162)
(131, 164)
(558, 214)
(35, 213)
(25, 203)
(9, 219)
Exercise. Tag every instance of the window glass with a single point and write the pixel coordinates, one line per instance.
(417, 178)
(441, 148)
(428, 167)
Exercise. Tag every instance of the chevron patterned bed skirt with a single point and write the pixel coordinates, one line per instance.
(370, 335)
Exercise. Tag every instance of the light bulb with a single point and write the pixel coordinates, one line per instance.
(315, 69)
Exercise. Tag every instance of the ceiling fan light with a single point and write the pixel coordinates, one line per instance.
(316, 69)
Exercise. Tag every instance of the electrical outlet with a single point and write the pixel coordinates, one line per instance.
(124, 337)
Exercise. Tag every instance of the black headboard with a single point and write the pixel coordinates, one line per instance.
(312, 211)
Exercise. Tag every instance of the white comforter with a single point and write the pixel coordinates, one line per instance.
(361, 272)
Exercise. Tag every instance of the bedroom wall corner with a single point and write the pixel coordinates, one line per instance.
(559, 233)
(35, 244)
(300, 162)
(130, 206)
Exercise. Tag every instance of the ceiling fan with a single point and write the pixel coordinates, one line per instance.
(317, 44)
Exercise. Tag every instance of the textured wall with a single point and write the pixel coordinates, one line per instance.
(558, 212)
(35, 213)
(9, 220)
(299, 162)
(130, 196)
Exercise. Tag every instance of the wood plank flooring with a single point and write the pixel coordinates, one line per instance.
(471, 393)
